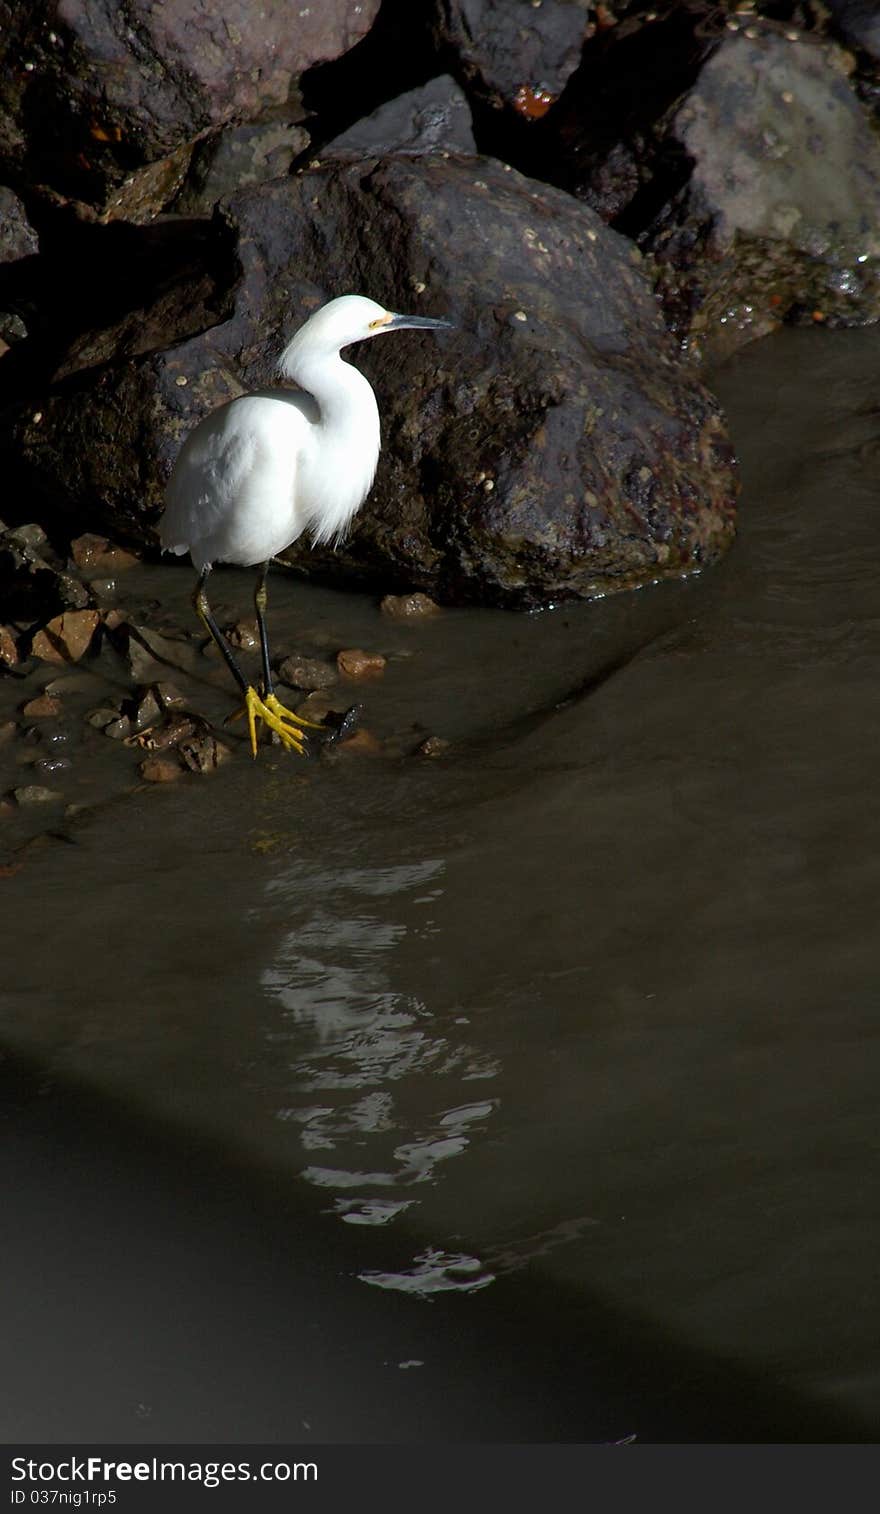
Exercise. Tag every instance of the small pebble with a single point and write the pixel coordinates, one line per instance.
(8, 729)
(356, 664)
(169, 696)
(243, 636)
(146, 711)
(8, 647)
(34, 793)
(43, 707)
(433, 746)
(118, 729)
(95, 554)
(161, 769)
(101, 718)
(408, 606)
(307, 673)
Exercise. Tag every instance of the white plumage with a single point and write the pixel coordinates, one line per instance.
(259, 471)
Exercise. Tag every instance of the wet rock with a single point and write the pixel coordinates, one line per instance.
(356, 665)
(103, 717)
(554, 445)
(239, 156)
(118, 729)
(512, 52)
(408, 606)
(105, 104)
(35, 793)
(33, 582)
(433, 746)
(858, 22)
(780, 214)
(317, 706)
(17, 236)
(9, 654)
(434, 117)
(169, 696)
(146, 710)
(173, 730)
(145, 651)
(67, 637)
(44, 707)
(307, 673)
(161, 769)
(95, 554)
(242, 637)
(203, 753)
(8, 730)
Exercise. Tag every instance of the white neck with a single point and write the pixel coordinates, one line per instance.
(338, 471)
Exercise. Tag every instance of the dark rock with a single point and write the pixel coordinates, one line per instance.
(203, 753)
(513, 52)
(174, 729)
(17, 236)
(102, 717)
(781, 211)
(736, 152)
(307, 673)
(858, 22)
(238, 157)
(105, 101)
(33, 582)
(553, 445)
(434, 117)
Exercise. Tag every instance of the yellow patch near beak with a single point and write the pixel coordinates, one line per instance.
(381, 320)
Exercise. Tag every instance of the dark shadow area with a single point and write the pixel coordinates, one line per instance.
(157, 1289)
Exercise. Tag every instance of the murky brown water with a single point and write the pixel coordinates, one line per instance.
(529, 1093)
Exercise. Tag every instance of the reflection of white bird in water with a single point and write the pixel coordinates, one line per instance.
(259, 471)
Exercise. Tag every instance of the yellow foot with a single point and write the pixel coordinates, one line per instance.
(287, 725)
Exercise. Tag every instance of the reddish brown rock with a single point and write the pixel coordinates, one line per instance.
(357, 665)
(95, 554)
(408, 606)
(44, 707)
(161, 769)
(8, 646)
(67, 638)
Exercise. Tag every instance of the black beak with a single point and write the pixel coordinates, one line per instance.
(420, 322)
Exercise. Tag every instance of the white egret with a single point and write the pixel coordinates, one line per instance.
(259, 471)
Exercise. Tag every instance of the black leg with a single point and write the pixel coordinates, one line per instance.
(261, 601)
(203, 610)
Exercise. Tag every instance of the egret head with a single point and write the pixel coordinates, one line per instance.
(351, 318)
